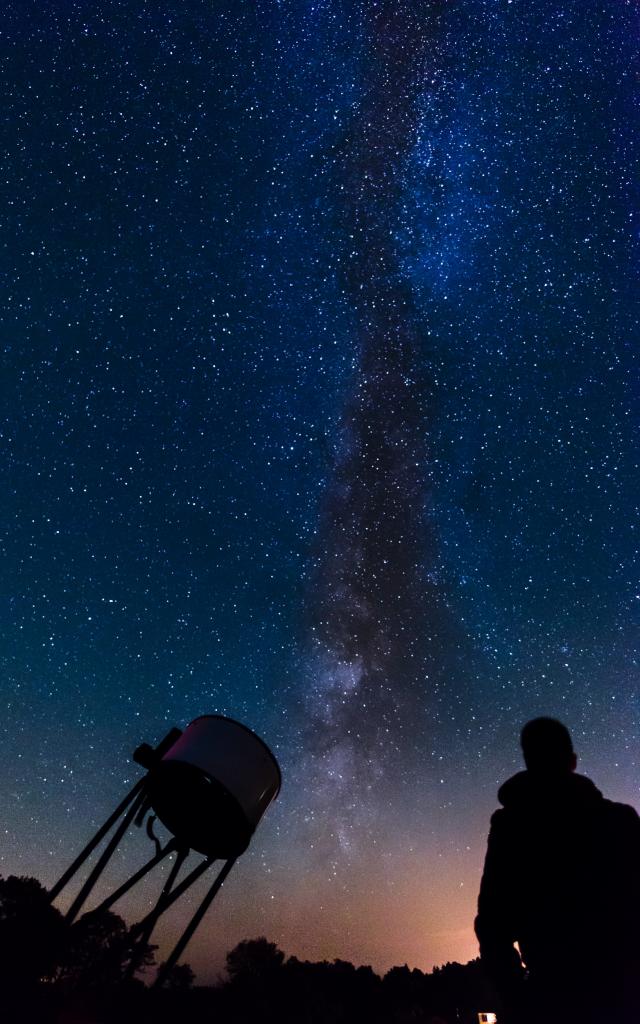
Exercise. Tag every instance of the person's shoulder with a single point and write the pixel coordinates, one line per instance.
(620, 824)
(623, 814)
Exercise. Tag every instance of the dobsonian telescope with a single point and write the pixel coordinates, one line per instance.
(209, 786)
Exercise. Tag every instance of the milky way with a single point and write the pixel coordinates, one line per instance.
(382, 640)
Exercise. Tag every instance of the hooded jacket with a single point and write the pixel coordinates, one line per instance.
(562, 880)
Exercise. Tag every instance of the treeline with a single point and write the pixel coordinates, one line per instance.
(264, 986)
(90, 973)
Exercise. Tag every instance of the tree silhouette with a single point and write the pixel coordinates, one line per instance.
(179, 979)
(32, 933)
(406, 991)
(99, 953)
(254, 961)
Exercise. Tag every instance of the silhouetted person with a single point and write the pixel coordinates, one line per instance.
(562, 880)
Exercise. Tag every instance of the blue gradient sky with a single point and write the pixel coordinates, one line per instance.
(319, 343)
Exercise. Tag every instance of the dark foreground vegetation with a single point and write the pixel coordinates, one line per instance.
(89, 973)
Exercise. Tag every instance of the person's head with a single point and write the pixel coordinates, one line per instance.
(547, 747)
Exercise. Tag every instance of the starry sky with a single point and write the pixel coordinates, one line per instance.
(318, 332)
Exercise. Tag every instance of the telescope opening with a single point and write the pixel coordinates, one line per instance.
(198, 810)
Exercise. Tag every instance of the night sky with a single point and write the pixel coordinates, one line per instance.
(319, 327)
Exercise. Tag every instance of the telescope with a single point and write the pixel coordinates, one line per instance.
(210, 786)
